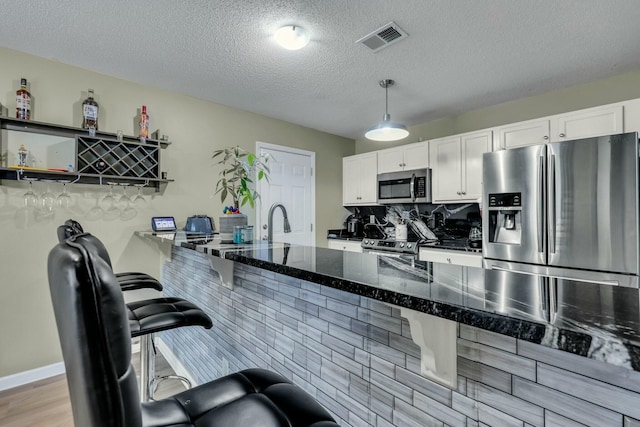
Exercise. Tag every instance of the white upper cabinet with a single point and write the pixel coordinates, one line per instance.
(404, 157)
(456, 162)
(531, 132)
(359, 179)
(598, 121)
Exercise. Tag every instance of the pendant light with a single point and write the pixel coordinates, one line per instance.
(387, 130)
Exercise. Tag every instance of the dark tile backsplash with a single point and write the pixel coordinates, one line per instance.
(445, 220)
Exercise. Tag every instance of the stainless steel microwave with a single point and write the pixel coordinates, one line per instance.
(412, 186)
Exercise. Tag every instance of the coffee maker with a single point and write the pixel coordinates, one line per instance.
(354, 225)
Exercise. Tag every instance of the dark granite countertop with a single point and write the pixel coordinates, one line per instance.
(601, 322)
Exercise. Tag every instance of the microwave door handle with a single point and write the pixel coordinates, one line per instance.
(412, 188)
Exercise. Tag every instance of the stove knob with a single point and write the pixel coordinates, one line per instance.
(402, 245)
(409, 245)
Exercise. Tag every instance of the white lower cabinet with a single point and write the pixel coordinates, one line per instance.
(345, 245)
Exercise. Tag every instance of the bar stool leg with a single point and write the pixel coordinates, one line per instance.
(148, 380)
(147, 367)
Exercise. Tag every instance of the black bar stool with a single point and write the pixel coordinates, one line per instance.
(129, 280)
(96, 346)
(147, 317)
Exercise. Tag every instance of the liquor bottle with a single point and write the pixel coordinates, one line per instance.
(90, 112)
(143, 123)
(23, 101)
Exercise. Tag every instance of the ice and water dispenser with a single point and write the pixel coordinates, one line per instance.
(505, 218)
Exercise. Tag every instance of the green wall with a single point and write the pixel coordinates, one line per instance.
(28, 336)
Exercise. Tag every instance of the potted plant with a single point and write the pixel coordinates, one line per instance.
(236, 179)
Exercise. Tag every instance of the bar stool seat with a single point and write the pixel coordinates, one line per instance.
(147, 317)
(160, 314)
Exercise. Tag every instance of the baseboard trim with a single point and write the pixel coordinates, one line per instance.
(26, 377)
(173, 361)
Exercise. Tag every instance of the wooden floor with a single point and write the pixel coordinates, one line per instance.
(46, 403)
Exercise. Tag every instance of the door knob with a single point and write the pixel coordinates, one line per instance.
(545, 137)
(562, 135)
(264, 226)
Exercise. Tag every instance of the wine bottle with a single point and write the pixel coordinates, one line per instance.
(143, 123)
(23, 101)
(90, 112)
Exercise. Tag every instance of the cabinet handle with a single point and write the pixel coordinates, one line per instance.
(400, 164)
(545, 137)
(464, 192)
(562, 135)
(449, 260)
(458, 193)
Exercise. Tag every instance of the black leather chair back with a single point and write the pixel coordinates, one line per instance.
(94, 335)
(72, 228)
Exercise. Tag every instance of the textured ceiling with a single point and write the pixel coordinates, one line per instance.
(460, 54)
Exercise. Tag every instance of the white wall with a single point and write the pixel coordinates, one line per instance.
(28, 336)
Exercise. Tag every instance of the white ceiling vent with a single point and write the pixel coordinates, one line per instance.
(383, 37)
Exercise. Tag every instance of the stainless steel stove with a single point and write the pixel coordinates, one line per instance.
(390, 247)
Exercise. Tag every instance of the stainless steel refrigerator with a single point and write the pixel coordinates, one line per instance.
(567, 210)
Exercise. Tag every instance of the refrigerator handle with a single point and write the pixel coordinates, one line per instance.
(551, 199)
(553, 299)
(544, 297)
(541, 204)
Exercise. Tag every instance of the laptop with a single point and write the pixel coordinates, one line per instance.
(164, 227)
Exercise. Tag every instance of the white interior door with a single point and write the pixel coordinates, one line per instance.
(292, 184)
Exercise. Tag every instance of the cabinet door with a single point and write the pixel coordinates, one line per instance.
(447, 165)
(531, 132)
(596, 121)
(368, 173)
(416, 156)
(350, 180)
(390, 160)
(474, 145)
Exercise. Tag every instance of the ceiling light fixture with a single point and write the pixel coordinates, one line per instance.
(387, 130)
(292, 37)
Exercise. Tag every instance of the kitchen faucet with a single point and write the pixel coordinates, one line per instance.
(287, 227)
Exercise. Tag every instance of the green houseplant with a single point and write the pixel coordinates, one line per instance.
(239, 166)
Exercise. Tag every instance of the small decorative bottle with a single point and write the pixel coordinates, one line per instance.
(143, 123)
(23, 101)
(90, 113)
